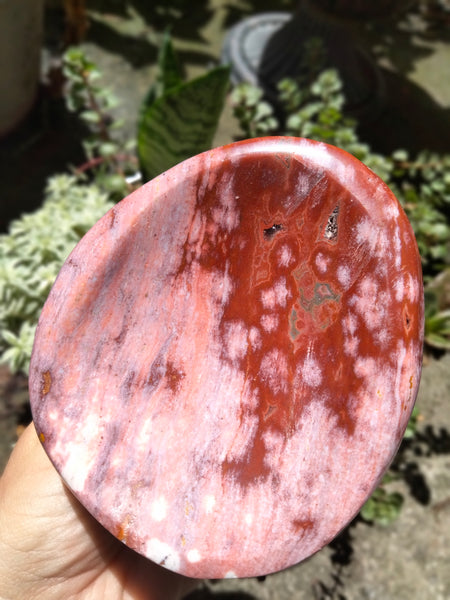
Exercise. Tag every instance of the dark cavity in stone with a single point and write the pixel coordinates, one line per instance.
(271, 231)
(331, 230)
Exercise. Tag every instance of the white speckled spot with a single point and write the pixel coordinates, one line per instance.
(351, 345)
(268, 298)
(276, 295)
(343, 275)
(350, 323)
(162, 554)
(371, 303)
(91, 426)
(281, 292)
(311, 372)
(159, 509)
(383, 336)
(210, 502)
(391, 211)
(269, 322)
(285, 256)
(322, 262)
(225, 213)
(413, 287)
(368, 287)
(399, 286)
(236, 340)
(248, 519)
(272, 440)
(254, 337)
(274, 371)
(398, 248)
(222, 285)
(366, 233)
(79, 463)
(230, 575)
(193, 556)
(364, 230)
(365, 367)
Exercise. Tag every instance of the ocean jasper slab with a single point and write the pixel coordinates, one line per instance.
(228, 360)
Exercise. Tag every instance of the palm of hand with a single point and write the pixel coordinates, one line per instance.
(51, 548)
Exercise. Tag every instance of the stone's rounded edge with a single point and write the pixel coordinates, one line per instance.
(316, 154)
(335, 161)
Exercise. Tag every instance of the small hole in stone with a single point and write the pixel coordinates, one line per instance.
(331, 230)
(407, 321)
(271, 231)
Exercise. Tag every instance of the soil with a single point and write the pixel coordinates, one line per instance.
(409, 559)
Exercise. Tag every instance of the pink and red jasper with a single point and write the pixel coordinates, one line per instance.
(228, 360)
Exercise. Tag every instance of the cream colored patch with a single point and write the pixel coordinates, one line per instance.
(194, 556)
(163, 554)
(159, 509)
(210, 502)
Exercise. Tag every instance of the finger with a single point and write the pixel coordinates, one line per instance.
(44, 532)
(47, 536)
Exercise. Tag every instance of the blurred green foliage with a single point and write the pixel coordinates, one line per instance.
(178, 119)
(383, 507)
(108, 157)
(31, 255)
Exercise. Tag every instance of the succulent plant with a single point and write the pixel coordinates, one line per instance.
(31, 255)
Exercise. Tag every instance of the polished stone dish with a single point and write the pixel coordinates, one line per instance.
(229, 358)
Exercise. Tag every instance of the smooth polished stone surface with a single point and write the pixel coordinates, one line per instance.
(228, 360)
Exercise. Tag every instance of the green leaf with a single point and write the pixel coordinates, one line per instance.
(170, 74)
(437, 329)
(382, 507)
(400, 155)
(90, 116)
(108, 149)
(181, 123)
(9, 337)
(411, 428)
(31, 255)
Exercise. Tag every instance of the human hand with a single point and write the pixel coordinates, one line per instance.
(51, 548)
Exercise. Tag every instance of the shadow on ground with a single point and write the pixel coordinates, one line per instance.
(184, 18)
(207, 594)
(48, 142)
(341, 558)
(407, 464)
(410, 118)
